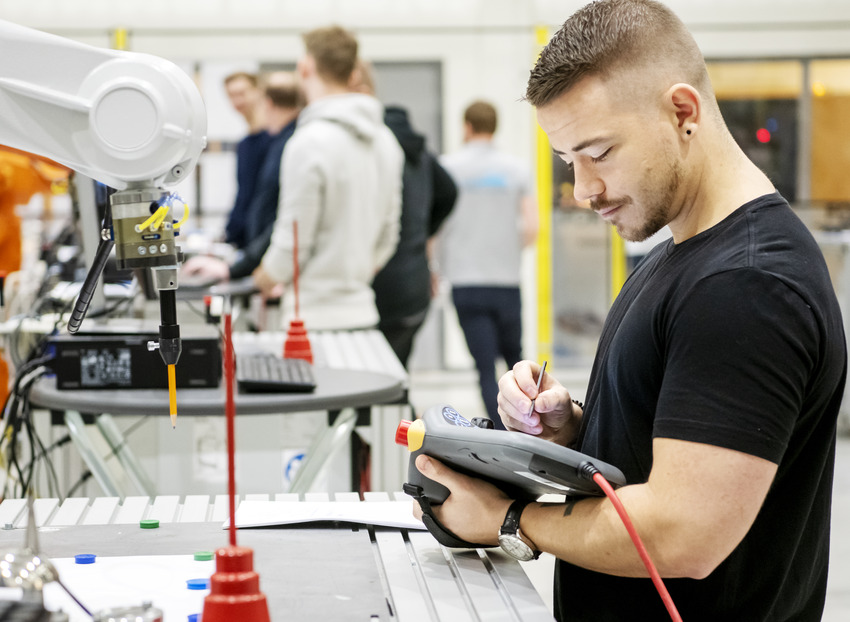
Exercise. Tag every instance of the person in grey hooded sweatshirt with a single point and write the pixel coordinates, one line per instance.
(343, 171)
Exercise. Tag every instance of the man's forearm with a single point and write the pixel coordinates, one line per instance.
(588, 533)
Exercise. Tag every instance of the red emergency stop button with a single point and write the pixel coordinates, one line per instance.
(401, 432)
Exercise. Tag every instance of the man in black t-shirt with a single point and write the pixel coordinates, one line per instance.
(721, 367)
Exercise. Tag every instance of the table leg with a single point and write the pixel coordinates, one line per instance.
(88, 452)
(325, 446)
(134, 469)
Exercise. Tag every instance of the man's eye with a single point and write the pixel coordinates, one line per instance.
(569, 166)
(602, 157)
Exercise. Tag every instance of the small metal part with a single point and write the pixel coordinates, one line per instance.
(165, 278)
(144, 613)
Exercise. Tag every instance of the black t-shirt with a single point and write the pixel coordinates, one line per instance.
(732, 338)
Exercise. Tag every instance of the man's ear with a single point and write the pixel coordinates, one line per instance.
(305, 67)
(685, 106)
(467, 131)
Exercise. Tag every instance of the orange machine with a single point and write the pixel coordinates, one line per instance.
(21, 176)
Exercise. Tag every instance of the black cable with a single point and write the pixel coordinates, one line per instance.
(52, 477)
(74, 598)
(101, 256)
(79, 483)
(20, 417)
(29, 469)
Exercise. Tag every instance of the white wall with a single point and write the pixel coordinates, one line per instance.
(486, 46)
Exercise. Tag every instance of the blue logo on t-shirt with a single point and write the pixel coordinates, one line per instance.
(487, 181)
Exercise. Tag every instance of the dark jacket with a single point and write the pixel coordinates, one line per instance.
(261, 211)
(403, 286)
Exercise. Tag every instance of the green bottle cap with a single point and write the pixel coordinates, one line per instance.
(149, 523)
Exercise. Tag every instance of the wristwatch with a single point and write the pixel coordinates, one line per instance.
(509, 537)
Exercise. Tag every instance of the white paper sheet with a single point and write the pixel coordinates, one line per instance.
(383, 513)
(130, 581)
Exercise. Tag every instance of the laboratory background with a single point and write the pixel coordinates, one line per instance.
(781, 73)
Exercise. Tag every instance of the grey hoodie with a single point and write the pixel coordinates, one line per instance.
(343, 170)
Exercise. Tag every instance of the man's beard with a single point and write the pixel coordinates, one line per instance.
(658, 204)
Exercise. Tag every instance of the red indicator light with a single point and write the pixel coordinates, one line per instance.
(763, 136)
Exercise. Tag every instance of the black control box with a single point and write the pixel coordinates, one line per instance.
(116, 361)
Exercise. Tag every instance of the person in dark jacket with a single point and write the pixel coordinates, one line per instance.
(403, 285)
(245, 95)
(283, 101)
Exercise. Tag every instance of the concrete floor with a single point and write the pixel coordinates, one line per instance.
(460, 389)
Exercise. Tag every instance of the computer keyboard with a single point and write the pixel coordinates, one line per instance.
(267, 373)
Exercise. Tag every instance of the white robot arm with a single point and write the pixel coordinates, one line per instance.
(122, 118)
(132, 121)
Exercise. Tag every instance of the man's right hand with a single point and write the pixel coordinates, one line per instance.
(206, 267)
(553, 416)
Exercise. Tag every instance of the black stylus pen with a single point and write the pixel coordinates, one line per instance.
(539, 382)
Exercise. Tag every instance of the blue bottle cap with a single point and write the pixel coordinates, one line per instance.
(198, 584)
(193, 617)
(85, 558)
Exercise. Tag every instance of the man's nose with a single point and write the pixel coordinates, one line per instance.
(588, 184)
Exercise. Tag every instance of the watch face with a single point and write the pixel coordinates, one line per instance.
(515, 547)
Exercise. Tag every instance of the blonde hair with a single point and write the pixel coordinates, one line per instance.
(335, 51)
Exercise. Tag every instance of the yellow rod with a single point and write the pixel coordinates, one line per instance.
(119, 39)
(544, 238)
(618, 263)
(172, 395)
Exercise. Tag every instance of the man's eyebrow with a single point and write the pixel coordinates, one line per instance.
(590, 142)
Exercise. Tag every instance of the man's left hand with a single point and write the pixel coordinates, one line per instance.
(475, 509)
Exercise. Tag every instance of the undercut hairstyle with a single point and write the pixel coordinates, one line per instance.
(481, 116)
(335, 51)
(610, 37)
(242, 75)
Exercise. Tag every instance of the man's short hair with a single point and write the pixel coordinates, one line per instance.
(608, 36)
(241, 75)
(283, 90)
(335, 51)
(481, 117)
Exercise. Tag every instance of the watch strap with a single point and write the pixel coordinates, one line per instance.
(443, 535)
(511, 523)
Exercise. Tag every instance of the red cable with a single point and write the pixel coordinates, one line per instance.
(295, 264)
(230, 412)
(644, 555)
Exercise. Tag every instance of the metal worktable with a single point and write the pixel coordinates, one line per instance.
(316, 572)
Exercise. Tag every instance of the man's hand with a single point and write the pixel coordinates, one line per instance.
(474, 510)
(268, 287)
(553, 417)
(206, 267)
